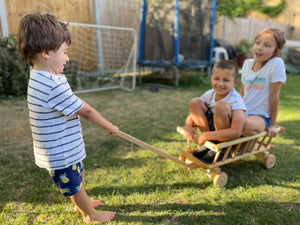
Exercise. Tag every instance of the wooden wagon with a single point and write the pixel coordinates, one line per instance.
(226, 152)
(231, 151)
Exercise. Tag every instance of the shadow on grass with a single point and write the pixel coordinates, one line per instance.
(253, 173)
(232, 212)
(144, 189)
(254, 212)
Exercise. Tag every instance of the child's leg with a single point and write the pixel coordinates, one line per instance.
(253, 125)
(222, 115)
(197, 112)
(70, 182)
(94, 203)
(83, 203)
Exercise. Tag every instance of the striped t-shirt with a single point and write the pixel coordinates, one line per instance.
(56, 129)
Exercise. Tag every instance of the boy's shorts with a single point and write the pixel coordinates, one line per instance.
(68, 180)
(210, 119)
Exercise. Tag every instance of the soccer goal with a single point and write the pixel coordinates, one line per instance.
(101, 58)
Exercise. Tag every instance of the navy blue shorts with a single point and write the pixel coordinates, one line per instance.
(210, 119)
(68, 180)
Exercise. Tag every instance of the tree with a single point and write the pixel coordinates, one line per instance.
(239, 8)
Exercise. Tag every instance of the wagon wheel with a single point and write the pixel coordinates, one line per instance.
(270, 161)
(220, 179)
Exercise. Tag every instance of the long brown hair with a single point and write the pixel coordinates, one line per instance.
(278, 35)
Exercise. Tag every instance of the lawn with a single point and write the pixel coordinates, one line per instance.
(140, 186)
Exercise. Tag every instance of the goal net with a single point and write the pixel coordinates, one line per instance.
(101, 58)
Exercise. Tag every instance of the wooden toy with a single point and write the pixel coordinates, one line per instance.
(231, 151)
(226, 152)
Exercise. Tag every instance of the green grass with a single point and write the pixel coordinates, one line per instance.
(140, 186)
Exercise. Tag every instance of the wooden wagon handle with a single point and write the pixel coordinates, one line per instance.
(151, 148)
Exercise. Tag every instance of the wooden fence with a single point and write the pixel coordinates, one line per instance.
(124, 13)
(243, 28)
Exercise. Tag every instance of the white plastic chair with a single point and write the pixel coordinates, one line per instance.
(219, 53)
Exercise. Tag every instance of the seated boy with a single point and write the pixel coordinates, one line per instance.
(219, 112)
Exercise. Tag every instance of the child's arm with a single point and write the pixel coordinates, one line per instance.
(189, 131)
(235, 130)
(242, 90)
(274, 103)
(91, 115)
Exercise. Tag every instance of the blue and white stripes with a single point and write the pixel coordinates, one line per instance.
(56, 129)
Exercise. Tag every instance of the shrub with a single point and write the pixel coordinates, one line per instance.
(14, 71)
(244, 47)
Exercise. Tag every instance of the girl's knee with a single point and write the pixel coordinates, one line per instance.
(253, 125)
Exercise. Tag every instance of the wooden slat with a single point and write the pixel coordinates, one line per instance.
(252, 145)
(195, 160)
(237, 147)
(222, 145)
(226, 153)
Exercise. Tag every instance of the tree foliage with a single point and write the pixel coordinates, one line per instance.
(239, 8)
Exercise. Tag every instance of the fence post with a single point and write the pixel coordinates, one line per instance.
(270, 22)
(3, 19)
(224, 27)
(99, 42)
(250, 24)
(287, 25)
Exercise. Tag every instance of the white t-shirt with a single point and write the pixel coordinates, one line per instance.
(257, 84)
(56, 129)
(233, 98)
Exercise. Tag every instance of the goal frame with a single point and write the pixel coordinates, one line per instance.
(131, 58)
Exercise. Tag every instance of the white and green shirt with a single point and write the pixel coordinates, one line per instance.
(257, 84)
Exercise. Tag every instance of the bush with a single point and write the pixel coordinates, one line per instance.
(244, 47)
(240, 8)
(14, 71)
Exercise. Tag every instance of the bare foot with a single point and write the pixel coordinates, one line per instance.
(95, 204)
(100, 217)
